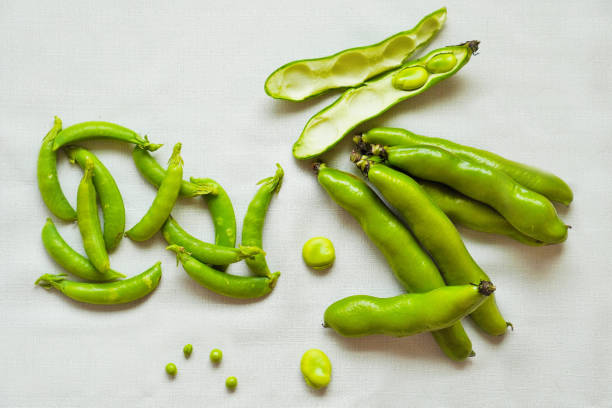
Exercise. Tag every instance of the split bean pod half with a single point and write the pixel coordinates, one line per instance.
(411, 265)
(164, 201)
(436, 234)
(406, 314)
(356, 105)
(300, 80)
(109, 293)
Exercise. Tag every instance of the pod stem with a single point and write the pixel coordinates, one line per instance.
(49, 281)
(362, 162)
(273, 278)
(250, 251)
(362, 146)
(317, 165)
(57, 127)
(175, 158)
(146, 145)
(485, 288)
(275, 181)
(472, 45)
(379, 150)
(204, 188)
(179, 251)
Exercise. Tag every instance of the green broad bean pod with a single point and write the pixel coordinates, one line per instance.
(547, 184)
(212, 254)
(252, 226)
(164, 201)
(101, 130)
(239, 287)
(407, 314)
(472, 214)
(529, 212)
(89, 223)
(154, 173)
(356, 105)
(109, 293)
(436, 234)
(71, 260)
(113, 210)
(413, 268)
(48, 182)
(303, 79)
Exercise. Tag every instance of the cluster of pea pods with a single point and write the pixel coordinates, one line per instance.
(432, 183)
(204, 262)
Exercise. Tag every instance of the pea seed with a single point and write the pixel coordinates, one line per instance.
(171, 369)
(318, 253)
(316, 368)
(231, 382)
(187, 350)
(442, 63)
(216, 355)
(410, 78)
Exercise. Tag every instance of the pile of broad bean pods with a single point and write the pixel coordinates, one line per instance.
(204, 262)
(431, 183)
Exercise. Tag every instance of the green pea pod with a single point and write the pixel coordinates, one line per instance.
(164, 201)
(527, 211)
(155, 173)
(109, 293)
(113, 210)
(89, 223)
(101, 130)
(547, 184)
(462, 210)
(252, 227)
(300, 80)
(356, 105)
(203, 251)
(48, 182)
(411, 266)
(407, 314)
(240, 287)
(71, 260)
(436, 234)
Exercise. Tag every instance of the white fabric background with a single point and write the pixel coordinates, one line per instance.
(538, 92)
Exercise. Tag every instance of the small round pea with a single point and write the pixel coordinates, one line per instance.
(316, 368)
(231, 382)
(171, 369)
(187, 350)
(319, 253)
(216, 355)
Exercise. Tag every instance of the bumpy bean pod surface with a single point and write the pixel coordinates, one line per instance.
(529, 212)
(48, 182)
(547, 184)
(406, 314)
(300, 80)
(110, 293)
(411, 266)
(437, 234)
(356, 105)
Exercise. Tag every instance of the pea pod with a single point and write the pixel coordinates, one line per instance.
(155, 173)
(164, 201)
(101, 130)
(462, 210)
(411, 266)
(356, 105)
(527, 211)
(109, 293)
(547, 184)
(48, 182)
(300, 80)
(71, 260)
(89, 223)
(203, 251)
(252, 226)
(113, 210)
(240, 287)
(436, 234)
(407, 314)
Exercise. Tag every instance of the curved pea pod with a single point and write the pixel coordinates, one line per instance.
(356, 105)
(48, 182)
(240, 287)
(463, 210)
(436, 234)
(303, 79)
(527, 211)
(111, 202)
(547, 184)
(407, 314)
(101, 130)
(110, 293)
(410, 264)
